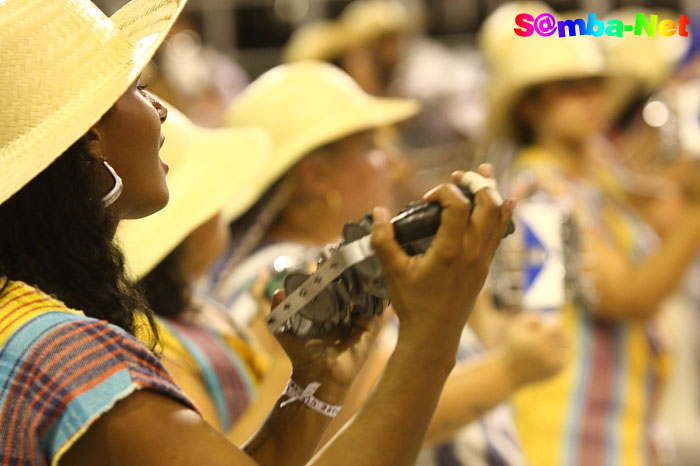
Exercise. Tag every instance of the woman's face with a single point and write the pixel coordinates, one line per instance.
(571, 110)
(129, 138)
(362, 174)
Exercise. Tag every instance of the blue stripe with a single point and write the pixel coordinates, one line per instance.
(619, 384)
(211, 380)
(650, 381)
(22, 341)
(241, 366)
(575, 416)
(84, 409)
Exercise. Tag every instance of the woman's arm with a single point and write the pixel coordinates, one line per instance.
(432, 294)
(627, 290)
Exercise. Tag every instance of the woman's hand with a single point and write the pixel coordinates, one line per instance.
(435, 292)
(535, 348)
(333, 360)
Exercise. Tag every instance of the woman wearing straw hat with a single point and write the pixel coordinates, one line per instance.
(366, 41)
(323, 176)
(600, 409)
(215, 362)
(79, 152)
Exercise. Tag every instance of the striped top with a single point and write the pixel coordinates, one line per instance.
(59, 371)
(600, 409)
(225, 363)
(253, 282)
(491, 440)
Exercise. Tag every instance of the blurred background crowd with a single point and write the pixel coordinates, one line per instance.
(583, 348)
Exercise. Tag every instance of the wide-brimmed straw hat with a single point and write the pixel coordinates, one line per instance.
(361, 23)
(63, 64)
(641, 63)
(304, 106)
(367, 20)
(209, 168)
(518, 63)
(319, 40)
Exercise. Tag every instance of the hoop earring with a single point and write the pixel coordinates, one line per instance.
(116, 190)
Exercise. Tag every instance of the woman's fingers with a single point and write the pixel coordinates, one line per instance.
(453, 220)
(387, 250)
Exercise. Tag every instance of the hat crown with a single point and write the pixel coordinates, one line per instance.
(517, 63)
(373, 17)
(40, 40)
(291, 99)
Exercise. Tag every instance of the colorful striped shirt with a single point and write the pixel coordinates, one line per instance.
(492, 440)
(227, 366)
(61, 370)
(600, 409)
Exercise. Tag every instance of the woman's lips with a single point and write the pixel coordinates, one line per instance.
(166, 168)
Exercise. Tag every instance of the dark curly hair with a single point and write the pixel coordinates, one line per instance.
(57, 236)
(165, 287)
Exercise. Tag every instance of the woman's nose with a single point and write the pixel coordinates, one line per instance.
(160, 108)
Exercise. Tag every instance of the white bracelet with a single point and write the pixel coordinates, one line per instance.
(294, 392)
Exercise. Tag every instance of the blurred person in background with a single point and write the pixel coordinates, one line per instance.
(547, 95)
(326, 170)
(367, 41)
(327, 180)
(657, 132)
(230, 377)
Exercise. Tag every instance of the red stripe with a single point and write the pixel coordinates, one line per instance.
(16, 298)
(27, 359)
(76, 360)
(234, 390)
(598, 395)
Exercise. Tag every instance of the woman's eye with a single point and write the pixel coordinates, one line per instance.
(141, 87)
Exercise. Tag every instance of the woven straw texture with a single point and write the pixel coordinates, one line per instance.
(63, 65)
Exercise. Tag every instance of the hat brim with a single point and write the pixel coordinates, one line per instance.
(145, 23)
(214, 172)
(504, 100)
(375, 113)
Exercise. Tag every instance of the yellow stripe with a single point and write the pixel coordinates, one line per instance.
(631, 427)
(44, 304)
(541, 409)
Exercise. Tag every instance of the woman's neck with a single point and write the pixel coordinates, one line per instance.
(572, 155)
(305, 230)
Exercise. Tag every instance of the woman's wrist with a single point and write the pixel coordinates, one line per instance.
(329, 391)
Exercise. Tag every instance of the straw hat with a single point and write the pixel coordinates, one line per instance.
(518, 63)
(64, 64)
(361, 23)
(208, 169)
(641, 63)
(367, 20)
(304, 106)
(319, 40)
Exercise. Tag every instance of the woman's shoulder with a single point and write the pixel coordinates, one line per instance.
(24, 307)
(60, 370)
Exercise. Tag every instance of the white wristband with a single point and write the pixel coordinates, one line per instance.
(294, 392)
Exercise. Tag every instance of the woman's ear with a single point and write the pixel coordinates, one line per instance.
(313, 175)
(92, 144)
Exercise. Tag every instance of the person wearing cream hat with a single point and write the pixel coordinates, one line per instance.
(366, 41)
(217, 364)
(79, 143)
(326, 169)
(545, 96)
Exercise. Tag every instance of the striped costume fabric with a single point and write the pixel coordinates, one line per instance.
(601, 409)
(61, 370)
(225, 364)
(492, 440)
